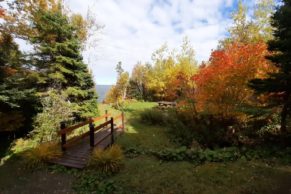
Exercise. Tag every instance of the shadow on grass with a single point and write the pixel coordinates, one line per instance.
(16, 178)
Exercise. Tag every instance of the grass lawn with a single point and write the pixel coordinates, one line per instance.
(145, 174)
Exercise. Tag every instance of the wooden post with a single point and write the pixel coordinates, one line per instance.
(122, 121)
(63, 135)
(91, 128)
(112, 130)
(106, 117)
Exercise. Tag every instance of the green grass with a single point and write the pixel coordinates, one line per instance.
(138, 134)
(148, 175)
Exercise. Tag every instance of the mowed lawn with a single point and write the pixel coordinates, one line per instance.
(145, 174)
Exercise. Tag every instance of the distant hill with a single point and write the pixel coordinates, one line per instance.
(102, 90)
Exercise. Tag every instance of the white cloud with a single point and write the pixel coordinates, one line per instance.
(134, 29)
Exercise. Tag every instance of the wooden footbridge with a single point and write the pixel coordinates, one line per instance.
(77, 149)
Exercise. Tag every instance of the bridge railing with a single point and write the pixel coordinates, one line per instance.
(64, 130)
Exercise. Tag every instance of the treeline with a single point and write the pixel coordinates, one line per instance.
(49, 82)
(247, 75)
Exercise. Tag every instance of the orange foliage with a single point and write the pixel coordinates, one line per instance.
(8, 71)
(2, 13)
(181, 88)
(222, 85)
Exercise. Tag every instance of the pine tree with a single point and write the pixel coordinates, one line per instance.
(59, 62)
(16, 95)
(279, 83)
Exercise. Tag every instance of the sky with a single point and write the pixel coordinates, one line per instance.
(133, 29)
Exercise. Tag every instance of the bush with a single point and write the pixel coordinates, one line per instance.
(153, 116)
(208, 130)
(95, 182)
(55, 110)
(21, 145)
(37, 156)
(199, 156)
(107, 161)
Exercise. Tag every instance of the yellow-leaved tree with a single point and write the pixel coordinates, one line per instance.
(168, 67)
(117, 93)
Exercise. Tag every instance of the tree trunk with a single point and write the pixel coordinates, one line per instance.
(124, 94)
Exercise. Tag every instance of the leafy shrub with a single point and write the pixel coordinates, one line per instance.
(55, 110)
(37, 156)
(199, 156)
(88, 182)
(153, 116)
(133, 152)
(21, 145)
(107, 161)
(229, 154)
(179, 132)
(208, 130)
(272, 127)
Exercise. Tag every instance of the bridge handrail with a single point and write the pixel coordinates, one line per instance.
(64, 130)
(91, 120)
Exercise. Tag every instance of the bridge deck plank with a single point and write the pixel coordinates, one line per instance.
(78, 155)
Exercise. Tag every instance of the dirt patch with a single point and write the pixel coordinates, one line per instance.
(15, 179)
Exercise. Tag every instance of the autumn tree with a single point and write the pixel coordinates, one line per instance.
(241, 29)
(160, 72)
(180, 86)
(118, 93)
(138, 82)
(22, 13)
(222, 84)
(262, 20)
(169, 65)
(255, 29)
(54, 62)
(278, 84)
(2, 12)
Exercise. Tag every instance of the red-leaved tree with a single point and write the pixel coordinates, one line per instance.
(222, 85)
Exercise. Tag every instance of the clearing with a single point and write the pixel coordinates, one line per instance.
(145, 174)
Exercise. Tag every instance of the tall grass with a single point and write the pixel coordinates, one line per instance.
(107, 161)
(39, 155)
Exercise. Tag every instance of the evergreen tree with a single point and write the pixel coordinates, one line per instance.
(279, 83)
(15, 93)
(59, 62)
